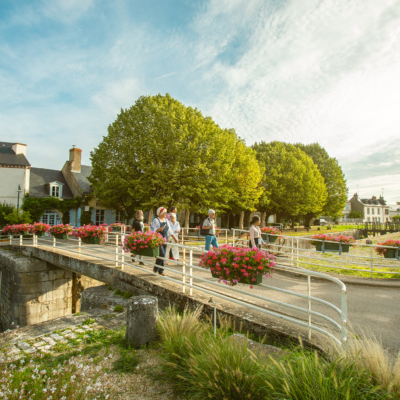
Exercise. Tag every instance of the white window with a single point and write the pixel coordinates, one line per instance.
(51, 218)
(100, 217)
(373, 211)
(368, 210)
(55, 191)
(119, 217)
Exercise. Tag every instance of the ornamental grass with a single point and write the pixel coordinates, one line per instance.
(204, 366)
(236, 265)
(142, 240)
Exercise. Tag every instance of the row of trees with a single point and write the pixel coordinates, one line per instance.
(160, 152)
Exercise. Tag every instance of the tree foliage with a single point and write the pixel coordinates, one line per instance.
(333, 176)
(356, 214)
(292, 183)
(160, 152)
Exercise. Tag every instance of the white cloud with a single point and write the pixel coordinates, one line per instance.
(66, 10)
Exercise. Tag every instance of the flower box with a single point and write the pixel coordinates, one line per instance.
(333, 247)
(152, 252)
(91, 240)
(235, 265)
(40, 233)
(271, 238)
(143, 243)
(391, 253)
(62, 236)
(259, 279)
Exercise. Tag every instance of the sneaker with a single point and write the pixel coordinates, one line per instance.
(161, 273)
(141, 263)
(133, 260)
(172, 258)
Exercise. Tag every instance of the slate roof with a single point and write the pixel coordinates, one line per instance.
(8, 157)
(81, 178)
(374, 202)
(41, 176)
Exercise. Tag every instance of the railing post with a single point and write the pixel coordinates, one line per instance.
(343, 314)
(20, 240)
(11, 238)
(309, 304)
(292, 251)
(233, 237)
(226, 236)
(372, 267)
(34, 239)
(116, 250)
(191, 272)
(297, 253)
(122, 250)
(183, 270)
(79, 246)
(54, 241)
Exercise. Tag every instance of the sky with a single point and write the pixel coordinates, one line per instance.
(306, 71)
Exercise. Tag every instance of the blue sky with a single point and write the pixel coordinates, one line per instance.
(296, 71)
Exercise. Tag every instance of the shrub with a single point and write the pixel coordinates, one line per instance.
(142, 240)
(118, 308)
(39, 227)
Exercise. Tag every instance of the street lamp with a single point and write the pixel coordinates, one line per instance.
(19, 191)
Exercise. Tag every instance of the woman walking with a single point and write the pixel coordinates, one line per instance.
(174, 230)
(160, 225)
(255, 233)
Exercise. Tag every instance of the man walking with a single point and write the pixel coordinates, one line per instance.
(209, 226)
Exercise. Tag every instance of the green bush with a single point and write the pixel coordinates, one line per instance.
(17, 217)
(118, 308)
(5, 210)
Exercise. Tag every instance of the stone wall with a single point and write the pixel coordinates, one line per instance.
(33, 290)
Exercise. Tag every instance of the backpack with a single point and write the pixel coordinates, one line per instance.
(137, 226)
(204, 232)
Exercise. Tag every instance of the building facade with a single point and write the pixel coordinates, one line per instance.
(373, 209)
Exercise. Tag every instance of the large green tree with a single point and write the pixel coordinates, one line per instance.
(160, 152)
(333, 175)
(292, 182)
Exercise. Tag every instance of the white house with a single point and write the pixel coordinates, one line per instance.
(373, 209)
(14, 172)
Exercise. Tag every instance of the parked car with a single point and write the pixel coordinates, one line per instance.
(276, 224)
(320, 221)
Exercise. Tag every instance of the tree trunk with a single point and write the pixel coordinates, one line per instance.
(150, 216)
(187, 218)
(263, 214)
(246, 221)
(182, 217)
(241, 220)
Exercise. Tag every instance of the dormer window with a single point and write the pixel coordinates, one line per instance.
(56, 189)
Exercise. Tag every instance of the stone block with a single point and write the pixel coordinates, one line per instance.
(27, 265)
(56, 274)
(28, 278)
(32, 288)
(29, 309)
(141, 320)
(47, 286)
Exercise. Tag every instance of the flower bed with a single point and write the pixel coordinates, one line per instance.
(389, 253)
(269, 232)
(61, 231)
(339, 241)
(91, 233)
(39, 228)
(143, 243)
(235, 265)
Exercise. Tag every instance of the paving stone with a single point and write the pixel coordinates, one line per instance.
(45, 349)
(13, 351)
(79, 331)
(30, 350)
(86, 327)
(49, 340)
(66, 332)
(40, 344)
(23, 345)
(64, 341)
(70, 335)
(56, 337)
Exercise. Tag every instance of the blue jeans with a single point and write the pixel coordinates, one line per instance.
(160, 262)
(211, 240)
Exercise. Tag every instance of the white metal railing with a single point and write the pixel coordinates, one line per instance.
(113, 249)
(296, 251)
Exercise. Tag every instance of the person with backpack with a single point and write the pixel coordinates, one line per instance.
(138, 226)
(162, 226)
(207, 229)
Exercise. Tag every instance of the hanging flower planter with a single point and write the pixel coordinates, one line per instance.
(61, 231)
(389, 252)
(233, 265)
(143, 243)
(39, 228)
(116, 227)
(328, 243)
(17, 230)
(268, 233)
(91, 234)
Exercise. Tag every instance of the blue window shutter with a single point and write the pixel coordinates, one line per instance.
(94, 216)
(78, 222)
(71, 217)
(110, 217)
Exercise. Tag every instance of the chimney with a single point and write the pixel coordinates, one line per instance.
(373, 197)
(355, 196)
(19, 148)
(75, 156)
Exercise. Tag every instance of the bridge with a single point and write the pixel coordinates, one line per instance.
(294, 303)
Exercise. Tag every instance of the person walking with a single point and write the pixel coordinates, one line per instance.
(160, 225)
(255, 233)
(209, 225)
(174, 230)
(138, 226)
(172, 210)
